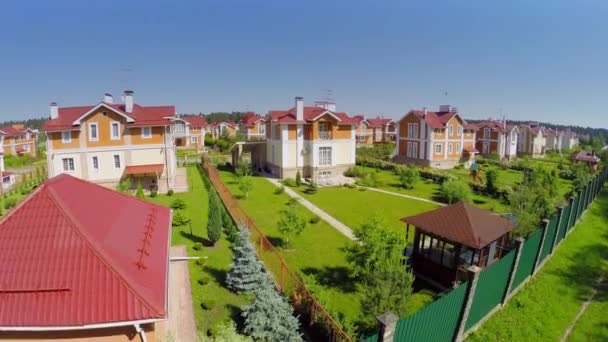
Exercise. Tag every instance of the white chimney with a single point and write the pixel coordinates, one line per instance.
(54, 110)
(107, 98)
(299, 108)
(425, 111)
(129, 101)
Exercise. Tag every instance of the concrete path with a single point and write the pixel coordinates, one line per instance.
(341, 227)
(405, 196)
(181, 325)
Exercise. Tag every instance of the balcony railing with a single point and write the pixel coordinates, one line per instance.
(325, 135)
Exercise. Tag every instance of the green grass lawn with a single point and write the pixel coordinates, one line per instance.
(547, 305)
(593, 325)
(354, 207)
(218, 257)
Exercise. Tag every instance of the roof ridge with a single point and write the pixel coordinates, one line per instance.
(58, 202)
(470, 221)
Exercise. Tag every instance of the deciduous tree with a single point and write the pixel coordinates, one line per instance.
(291, 221)
(454, 190)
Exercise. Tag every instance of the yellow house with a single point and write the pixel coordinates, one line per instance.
(19, 140)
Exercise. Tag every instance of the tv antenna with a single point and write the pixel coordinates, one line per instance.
(328, 95)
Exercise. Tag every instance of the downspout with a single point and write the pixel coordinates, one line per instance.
(141, 333)
(166, 160)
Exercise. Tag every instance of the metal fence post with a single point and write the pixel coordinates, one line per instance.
(473, 274)
(543, 226)
(519, 242)
(388, 323)
(560, 213)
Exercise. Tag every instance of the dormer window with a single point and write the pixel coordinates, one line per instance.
(66, 137)
(146, 132)
(115, 130)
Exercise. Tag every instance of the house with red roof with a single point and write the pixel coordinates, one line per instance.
(589, 158)
(80, 262)
(109, 142)
(497, 138)
(189, 131)
(316, 140)
(363, 133)
(439, 139)
(383, 130)
(532, 140)
(253, 126)
(222, 129)
(18, 140)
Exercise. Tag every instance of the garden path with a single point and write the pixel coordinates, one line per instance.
(404, 195)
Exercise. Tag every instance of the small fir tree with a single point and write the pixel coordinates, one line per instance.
(246, 272)
(214, 223)
(491, 187)
(270, 317)
(140, 191)
(298, 178)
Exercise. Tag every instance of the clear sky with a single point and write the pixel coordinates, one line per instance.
(542, 60)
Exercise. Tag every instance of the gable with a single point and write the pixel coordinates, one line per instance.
(102, 107)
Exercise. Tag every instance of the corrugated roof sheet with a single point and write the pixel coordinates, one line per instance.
(75, 253)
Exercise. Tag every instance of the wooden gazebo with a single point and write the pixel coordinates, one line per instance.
(449, 238)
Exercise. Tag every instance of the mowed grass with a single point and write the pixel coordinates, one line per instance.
(548, 304)
(227, 303)
(318, 251)
(593, 325)
(354, 207)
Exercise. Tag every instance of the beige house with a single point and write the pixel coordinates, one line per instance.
(532, 141)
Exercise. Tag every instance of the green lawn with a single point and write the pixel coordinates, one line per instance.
(354, 207)
(547, 305)
(593, 325)
(218, 257)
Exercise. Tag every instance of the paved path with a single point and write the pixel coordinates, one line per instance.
(583, 309)
(405, 196)
(181, 325)
(341, 227)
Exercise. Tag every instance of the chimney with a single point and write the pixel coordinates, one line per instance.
(107, 98)
(299, 108)
(424, 111)
(54, 110)
(445, 108)
(129, 101)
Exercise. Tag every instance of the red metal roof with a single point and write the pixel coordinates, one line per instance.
(142, 116)
(310, 113)
(75, 253)
(587, 157)
(437, 119)
(251, 118)
(13, 130)
(462, 223)
(143, 169)
(195, 121)
(378, 122)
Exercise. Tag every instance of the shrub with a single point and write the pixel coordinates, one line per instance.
(355, 171)
(378, 151)
(491, 187)
(197, 246)
(214, 221)
(289, 182)
(204, 280)
(25, 190)
(170, 192)
(279, 190)
(208, 304)
(200, 262)
(10, 202)
(315, 219)
(408, 176)
(140, 191)
(178, 204)
(179, 218)
(153, 193)
(312, 188)
(455, 190)
(298, 178)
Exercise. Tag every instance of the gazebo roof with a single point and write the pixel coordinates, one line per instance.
(462, 223)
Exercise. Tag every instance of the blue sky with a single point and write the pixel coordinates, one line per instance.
(544, 60)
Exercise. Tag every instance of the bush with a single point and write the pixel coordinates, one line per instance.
(204, 280)
(170, 192)
(197, 246)
(408, 176)
(455, 190)
(349, 185)
(315, 219)
(10, 202)
(208, 304)
(140, 191)
(355, 171)
(290, 182)
(279, 190)
(179, 219)
(178, 204)
(153, 193)
(298, 178)
(371, 180)
(312, 188)
(379, 151)
(25, 190)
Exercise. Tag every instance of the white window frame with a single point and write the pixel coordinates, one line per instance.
(117, 125)
(262, 128)
(91, 125)
(95, 160)
(325, 133)
(486, 133)
(116, 160)
(194, 139)
(450, 130)
(325, 156)
(147, 135)
(69, 167)
(63, 137)
(458, 148)
(438, 148)
(450, 148)
(485, 148)
(460, 130)
(412, 130)
(412, 149)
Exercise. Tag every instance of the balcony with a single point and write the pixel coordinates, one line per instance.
(180, 130)
(325, 135)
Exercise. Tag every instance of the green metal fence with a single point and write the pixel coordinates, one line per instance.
(436, 322)
(548, 244)
(527, 259)
(563, 225)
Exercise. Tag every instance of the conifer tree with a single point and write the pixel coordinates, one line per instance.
(246, 272)
(140, 191)
(270, 317)
(214, 224)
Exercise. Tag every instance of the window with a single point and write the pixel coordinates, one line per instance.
(324, 156)
(450, 148)
(146, 132)
(93, 133)
(272, 131)
(412, 149)
(460, 130)
(450, 130)
(115, 130)
(66, 137)
(458, 148)
(194, 140)
(68, 164)
(116, 161)
(324, 131)
(437, 148)
(412, 130)
(262, 128)
(486, 133)
(95, 162)
(486, 148)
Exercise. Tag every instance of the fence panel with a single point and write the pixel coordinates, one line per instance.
(581, 203)
(491, 288)
(436, 322)
(527, 258)
(548, 244)
(571, 219)
(563, 227)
